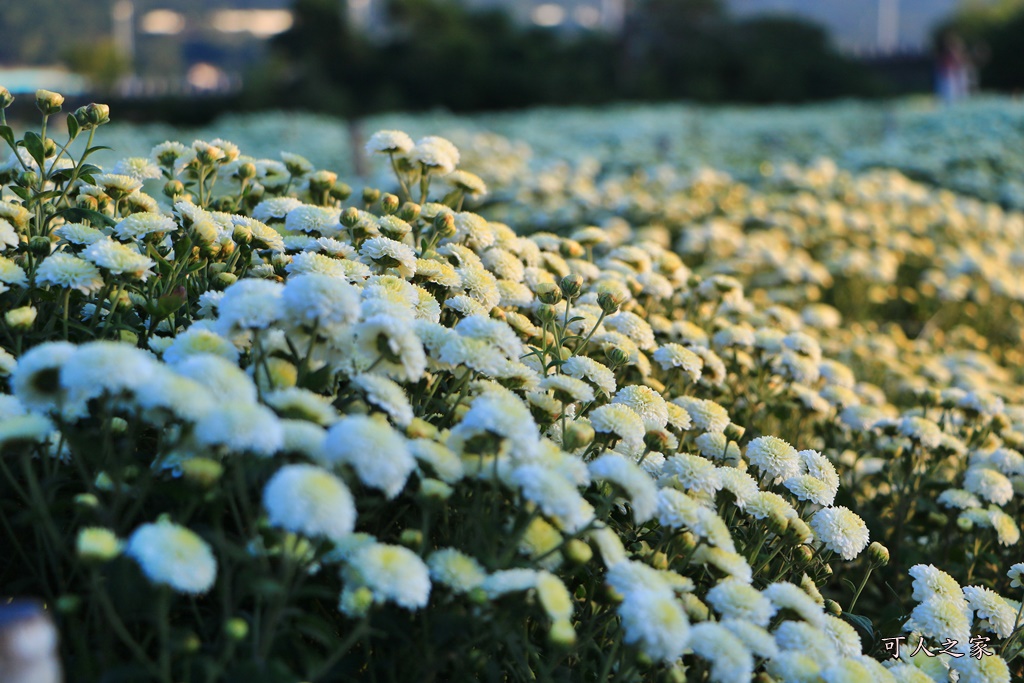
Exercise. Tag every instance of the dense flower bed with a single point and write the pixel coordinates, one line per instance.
(260, 427)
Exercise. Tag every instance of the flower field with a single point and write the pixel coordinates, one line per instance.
(577, 408)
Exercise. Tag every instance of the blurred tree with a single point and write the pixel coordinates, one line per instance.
(100, 61)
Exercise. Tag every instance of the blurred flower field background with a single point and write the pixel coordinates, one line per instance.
(641, 394)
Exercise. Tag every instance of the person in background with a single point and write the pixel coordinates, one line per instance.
(953, 77)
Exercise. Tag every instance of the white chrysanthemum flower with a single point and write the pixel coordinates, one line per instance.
(568, 389)
(707, 415)
(455, 569)
(554, 494)
(387, 253)
(64, 270)
(174, 556)
(990, 606)
(989, 484)
(116, 182)
(921, 429)
(140, 225)
(930, 581)
(119, 259)
(646, 403)
(507, 581)
(1016, 574)
(480, 285)
(320, 264)
(986, 669)
(732, 563)
(309, 500)
(97, 368)
(760, 642)
(315, 298)
(1007, 528)
(692, 473)
(670, 356)
(436, 154)
(8, 235)
(304, 438)
(773, 457)
(11, 274)
(389, 345)
(379, 455)
(225, 380)
(734, 599)
(196, 340)
(386, 395)
(167, 392)
(504, 417)
(437, 272)
(729, 658)
(79, 233)
(275, 208)
(789, 596)
(391, 572)
(643, 492)
(447, 466)
(844, 636)
(841, 530)
(812, 489)
(35, 381)
(23, 429)
(940, 618)
(741, 485)
(678, 417)
(389, 142)
(806, 638)
(243, 428)
(139, 168)
(470, 183)
(652, 618)
(620, 420)
(588, 369)
(302, 404)
(676, 509)
(313, 219)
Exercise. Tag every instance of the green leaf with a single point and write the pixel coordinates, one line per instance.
(94, 149)
(77, 214)
(862, 623)
(21, 192)
(73, 127)
(7, 133)
(35, 147)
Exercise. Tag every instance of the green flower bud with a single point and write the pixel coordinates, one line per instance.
(804, 554)
(608, 302)
(174, 188)
(616, 356)
(370, 195)
(777, 523)
(546, 313)
(48, 102)
(97, 114)
(6, 98)
(734, 431)
(444, 224)
(578, 435)
(340, 191)
(562, 633)
(657, 440)
(350, 217)
(27, 178)
(412, 538)
(40, 246)
(389, 203)
(420, 429)
(190, 643)
(578, 552)
(87, 202)
(68, 604)
(833, 607)
(246, 171)
(878, 553)
(687, 542)
(409, 212)
(548, 293)
(224, 280)
(204, 472)
(964, 523)
(86, 500)
(322, 181)
(356, 602)
(97, 544)
(49, 148)
(236, 629)
(20, 318)
(571, 285)
(434, 489)
(695, 608)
